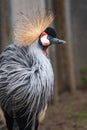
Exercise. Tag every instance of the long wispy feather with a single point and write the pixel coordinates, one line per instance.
(28, 30)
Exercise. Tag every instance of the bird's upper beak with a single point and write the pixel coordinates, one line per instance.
(57, 41)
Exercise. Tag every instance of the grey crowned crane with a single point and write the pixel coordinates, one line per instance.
(26, 74)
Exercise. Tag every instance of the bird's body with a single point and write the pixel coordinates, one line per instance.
(26, 75)
(26, 78)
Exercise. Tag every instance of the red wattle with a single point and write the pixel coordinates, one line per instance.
(44, 52)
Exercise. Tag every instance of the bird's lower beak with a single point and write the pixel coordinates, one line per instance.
(57, 41)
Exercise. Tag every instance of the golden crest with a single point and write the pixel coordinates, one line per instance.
(28, 31)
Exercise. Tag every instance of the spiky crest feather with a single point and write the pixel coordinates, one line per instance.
(28, 31)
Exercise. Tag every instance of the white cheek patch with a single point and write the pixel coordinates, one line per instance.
(45, 41)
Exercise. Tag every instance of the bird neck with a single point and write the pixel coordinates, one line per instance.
(38, 49)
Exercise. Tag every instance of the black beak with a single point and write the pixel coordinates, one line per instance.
(57, 41)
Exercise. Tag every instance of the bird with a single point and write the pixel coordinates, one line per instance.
(26, 73)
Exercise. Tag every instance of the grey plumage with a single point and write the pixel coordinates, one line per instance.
(26, 79)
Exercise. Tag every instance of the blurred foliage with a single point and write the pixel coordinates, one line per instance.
(77, 116)
(83, 81)
(81, 115)
(83, 70)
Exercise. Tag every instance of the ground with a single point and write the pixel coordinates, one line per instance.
(69, 113)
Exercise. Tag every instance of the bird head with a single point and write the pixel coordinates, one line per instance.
(27, 32)
(49, 37)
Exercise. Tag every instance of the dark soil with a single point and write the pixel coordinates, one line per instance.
(69, 113)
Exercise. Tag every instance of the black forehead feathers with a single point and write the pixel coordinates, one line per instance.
(50, 31)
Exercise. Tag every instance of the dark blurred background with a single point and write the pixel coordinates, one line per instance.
(69, 61)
